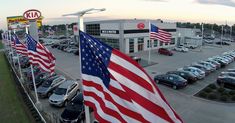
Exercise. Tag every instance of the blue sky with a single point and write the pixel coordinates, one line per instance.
(207, 11)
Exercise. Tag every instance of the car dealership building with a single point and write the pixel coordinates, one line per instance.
(130, 35)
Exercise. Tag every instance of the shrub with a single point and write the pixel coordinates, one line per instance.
(212, 96)
(233, 98)
(224, 93)
(212, 86)
(224, 98)
(208, 90)
(203, 94)
(220, 90)
(232, 92)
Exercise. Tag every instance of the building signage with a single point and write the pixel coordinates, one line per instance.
(140, 25)
(109, 31)
(19, 22)
(32, 14)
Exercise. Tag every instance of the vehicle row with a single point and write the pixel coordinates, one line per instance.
(196, 71)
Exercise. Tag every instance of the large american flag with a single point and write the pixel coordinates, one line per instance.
(159, 34)
(20, 47)
(40, 55)
(118, 88)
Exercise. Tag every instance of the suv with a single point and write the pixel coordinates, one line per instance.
(165, 51)
(65, 92)
(45, 90)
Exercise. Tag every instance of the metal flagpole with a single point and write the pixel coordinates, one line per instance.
(150, 43)
(202, 36)
(32, 72)
(221, 36)
(18, 58)
(81, 27)
(231, 29)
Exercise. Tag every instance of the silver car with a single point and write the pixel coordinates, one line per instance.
(45, 90)
(65, 92)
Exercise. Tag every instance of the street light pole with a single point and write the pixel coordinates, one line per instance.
(81, 27)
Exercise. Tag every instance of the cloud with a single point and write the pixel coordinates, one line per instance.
(229, 3)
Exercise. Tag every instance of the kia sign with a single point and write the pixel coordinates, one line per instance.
(140, 25)
(32, 14)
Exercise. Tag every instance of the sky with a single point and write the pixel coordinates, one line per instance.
(206, 11)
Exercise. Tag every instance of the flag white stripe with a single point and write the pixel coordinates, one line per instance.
(109, 118)
(109, 104)
(122, 62)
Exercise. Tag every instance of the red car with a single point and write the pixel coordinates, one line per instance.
(165, 51)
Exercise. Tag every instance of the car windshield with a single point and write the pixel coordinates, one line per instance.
(47, 83)
(60, 91)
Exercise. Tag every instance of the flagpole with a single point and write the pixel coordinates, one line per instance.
(32, 72)
(18, 58)
(150, 43)
(81, 27)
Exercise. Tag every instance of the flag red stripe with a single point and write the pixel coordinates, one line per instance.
(124, 110)
(140, 81)
(97, 116)
(105, 109)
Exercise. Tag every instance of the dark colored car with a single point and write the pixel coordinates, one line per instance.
(226, 81)
(165, 51)
(171, 80)
(55, 46)
(223, 43)
(191, 78)
(76, 52)
(39, 79)
(74, 111)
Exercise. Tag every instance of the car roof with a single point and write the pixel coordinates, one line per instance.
(67, 83)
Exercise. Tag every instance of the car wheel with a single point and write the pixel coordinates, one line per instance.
(174, 87)
(49, 94)
(65, 103)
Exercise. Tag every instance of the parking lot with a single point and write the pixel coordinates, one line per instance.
(192, 109)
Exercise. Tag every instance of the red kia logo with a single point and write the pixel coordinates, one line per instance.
(32, 14)
(140, 25)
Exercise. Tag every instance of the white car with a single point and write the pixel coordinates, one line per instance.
(64, 93)
(181, 49)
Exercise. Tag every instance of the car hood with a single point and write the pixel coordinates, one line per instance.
(55, 97)
(41, 89)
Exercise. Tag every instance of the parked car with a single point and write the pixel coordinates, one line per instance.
(71, 49)
(211, 66)
(191, 78)
(165, 51)
(39, 79)
(223, 43)
(76, 52)
(191, 46)
(136, 58)
(197, 72)
(226, 81)
(171, 80)
(228, 74)
(65, 92)
(217, 64)
(231, 70)
(74, 112)
(203, 68)
(45, 90)
(181, 49)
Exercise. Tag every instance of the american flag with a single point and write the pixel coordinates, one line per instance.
(20, 47)
(118, 88)
(12, 41)
(40, 55)
(159, 34)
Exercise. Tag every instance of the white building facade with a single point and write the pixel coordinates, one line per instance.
(130, 36)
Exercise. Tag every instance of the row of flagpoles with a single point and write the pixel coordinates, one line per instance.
(38, 54)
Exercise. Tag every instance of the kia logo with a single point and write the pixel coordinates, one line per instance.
(140, 25)
(32, 14)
